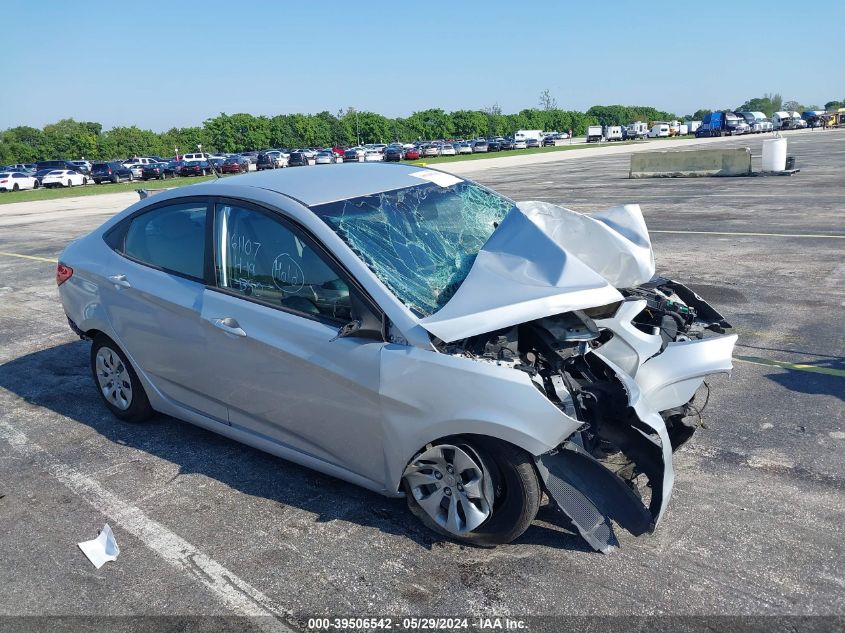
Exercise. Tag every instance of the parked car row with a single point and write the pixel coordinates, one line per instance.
(70, 173)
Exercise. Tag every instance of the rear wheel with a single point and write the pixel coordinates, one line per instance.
(117, 382)
(16, 187)
(69, 182)
(480, 490)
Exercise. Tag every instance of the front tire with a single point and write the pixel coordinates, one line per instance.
(117, 382)
(489, 497)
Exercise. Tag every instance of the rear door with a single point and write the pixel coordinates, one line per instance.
(154, 294)
(272, 325)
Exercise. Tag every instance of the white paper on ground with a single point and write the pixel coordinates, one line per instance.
(101, 549)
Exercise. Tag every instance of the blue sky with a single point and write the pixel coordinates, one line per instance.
(165, 64)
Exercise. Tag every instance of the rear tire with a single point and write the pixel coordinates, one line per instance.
(117, 382)
(16, 187)
(513, 484)
(69, 183)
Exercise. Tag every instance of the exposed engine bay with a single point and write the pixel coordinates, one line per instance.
(594, 365)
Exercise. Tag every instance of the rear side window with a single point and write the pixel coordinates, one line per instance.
(262, 258)
(171, 238)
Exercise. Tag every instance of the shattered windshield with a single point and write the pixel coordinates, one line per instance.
(419, 241)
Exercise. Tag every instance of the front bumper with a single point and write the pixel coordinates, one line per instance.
(659, 385)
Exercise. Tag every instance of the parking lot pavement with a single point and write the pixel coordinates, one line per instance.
(207, 526)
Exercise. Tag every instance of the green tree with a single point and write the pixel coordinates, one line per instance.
(700, 114)
(430, 124)
(68, 139)
(469, 123)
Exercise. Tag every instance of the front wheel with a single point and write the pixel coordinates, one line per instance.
(117, 382)
(481, 491)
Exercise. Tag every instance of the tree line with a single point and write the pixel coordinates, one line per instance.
(70, 139)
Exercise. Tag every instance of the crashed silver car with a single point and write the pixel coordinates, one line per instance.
(408, 331)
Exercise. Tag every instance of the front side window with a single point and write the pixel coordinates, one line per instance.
(170, 237)
(420, 241)
(262, 258)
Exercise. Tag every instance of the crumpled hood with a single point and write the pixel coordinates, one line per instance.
(615, 243)
(543, 260)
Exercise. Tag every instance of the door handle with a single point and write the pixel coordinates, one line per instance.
(228, 325)
(120, 281)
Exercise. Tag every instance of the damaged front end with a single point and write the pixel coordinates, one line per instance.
(617, 467)
(627, 371)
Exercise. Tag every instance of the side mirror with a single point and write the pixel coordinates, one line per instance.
(347, 329)
(366, 323)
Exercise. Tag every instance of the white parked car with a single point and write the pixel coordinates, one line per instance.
(188, 158)
(15, 181)
(373, 156)
(463, 147)
(519, 144)
(431, 150)
(63, 178)
(447, 150)
(324, 158)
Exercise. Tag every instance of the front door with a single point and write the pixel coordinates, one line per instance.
(272, 325)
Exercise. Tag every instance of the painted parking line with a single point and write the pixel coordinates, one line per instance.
(33, 257)
(756, 360)
(237, 595)
(818, 236)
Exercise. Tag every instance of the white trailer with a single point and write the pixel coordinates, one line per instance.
(613, 133)
(638, 129)
(594, 133)
(524, 135)
(692, 126)
(659, 130)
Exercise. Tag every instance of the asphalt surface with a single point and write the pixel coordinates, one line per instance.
(209, 527)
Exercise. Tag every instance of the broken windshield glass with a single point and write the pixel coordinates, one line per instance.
(419, 241)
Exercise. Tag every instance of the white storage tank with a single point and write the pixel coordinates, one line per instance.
(774, 154)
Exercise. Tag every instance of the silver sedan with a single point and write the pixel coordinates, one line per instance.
(408, 331)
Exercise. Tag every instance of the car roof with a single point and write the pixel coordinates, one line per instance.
(327, 184)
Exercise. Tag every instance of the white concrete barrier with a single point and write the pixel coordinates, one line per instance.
(687, 163)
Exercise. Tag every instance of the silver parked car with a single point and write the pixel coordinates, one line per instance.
(409, 331)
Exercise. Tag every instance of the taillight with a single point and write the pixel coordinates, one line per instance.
(63, 273)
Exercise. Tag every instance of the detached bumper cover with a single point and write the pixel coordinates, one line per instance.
(591, 495)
